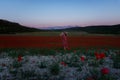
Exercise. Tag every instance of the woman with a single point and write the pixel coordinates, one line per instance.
(64, 40)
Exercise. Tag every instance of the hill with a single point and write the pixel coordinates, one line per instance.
(111, 29)
(7, 27)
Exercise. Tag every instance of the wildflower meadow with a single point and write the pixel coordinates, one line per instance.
(59, 64)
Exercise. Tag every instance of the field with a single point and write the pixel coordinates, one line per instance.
(53, 40)
(41, 56)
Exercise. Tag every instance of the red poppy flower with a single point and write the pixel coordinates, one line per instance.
(82, 58)
(63, 63)
(19, 58)
(102, 55)
(97, 55)
(105, 70)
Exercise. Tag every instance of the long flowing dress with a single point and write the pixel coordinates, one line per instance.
(64, 40)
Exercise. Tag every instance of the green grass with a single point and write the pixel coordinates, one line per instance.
(40, 33)
(57, 33)
(15, 52)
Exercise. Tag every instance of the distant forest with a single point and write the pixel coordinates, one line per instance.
(7, 27)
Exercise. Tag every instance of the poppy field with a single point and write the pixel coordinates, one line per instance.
(56, 42)
(43, 58)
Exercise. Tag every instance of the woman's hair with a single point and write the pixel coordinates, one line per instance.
(65, 33)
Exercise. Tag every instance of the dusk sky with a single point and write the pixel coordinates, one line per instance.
(47, 13)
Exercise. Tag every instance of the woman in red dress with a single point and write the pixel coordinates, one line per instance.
(64, 40)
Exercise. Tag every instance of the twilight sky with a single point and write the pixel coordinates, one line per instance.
(46, 13)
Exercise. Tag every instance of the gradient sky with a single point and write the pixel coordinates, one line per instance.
(45, 13)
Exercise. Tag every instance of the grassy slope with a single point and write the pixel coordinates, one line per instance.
(7, 27)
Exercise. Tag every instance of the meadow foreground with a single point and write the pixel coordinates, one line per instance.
(90, 64)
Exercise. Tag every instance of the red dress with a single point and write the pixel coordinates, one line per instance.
(64, 40)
